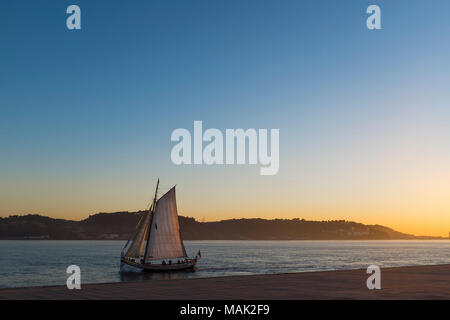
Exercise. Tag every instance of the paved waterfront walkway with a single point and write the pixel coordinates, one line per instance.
(424, 282)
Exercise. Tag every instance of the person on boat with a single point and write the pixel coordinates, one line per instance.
(164, 262)
(170, 262)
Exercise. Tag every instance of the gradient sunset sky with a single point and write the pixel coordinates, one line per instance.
(364, 116)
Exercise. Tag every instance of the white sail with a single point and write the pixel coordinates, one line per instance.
(165, 239)
(137, 244)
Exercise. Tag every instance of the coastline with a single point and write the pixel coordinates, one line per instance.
(117, 226)
(411, 283)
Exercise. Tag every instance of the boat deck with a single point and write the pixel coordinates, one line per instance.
(189, 264)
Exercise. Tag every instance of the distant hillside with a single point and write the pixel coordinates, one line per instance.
(119, 225)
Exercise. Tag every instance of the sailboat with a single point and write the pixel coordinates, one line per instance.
(156, 244)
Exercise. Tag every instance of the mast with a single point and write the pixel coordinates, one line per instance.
(151, 211)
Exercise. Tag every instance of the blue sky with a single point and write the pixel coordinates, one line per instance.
(86, 116)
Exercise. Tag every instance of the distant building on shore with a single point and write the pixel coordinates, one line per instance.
(43, 237)
(109, 236)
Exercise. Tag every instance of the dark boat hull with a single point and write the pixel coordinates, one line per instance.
(129, 266)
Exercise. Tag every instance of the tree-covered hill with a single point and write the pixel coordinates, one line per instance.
(120, 225)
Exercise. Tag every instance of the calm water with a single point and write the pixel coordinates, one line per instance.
(38, 263)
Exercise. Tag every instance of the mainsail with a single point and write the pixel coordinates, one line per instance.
(157, 234)
(165, 239)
